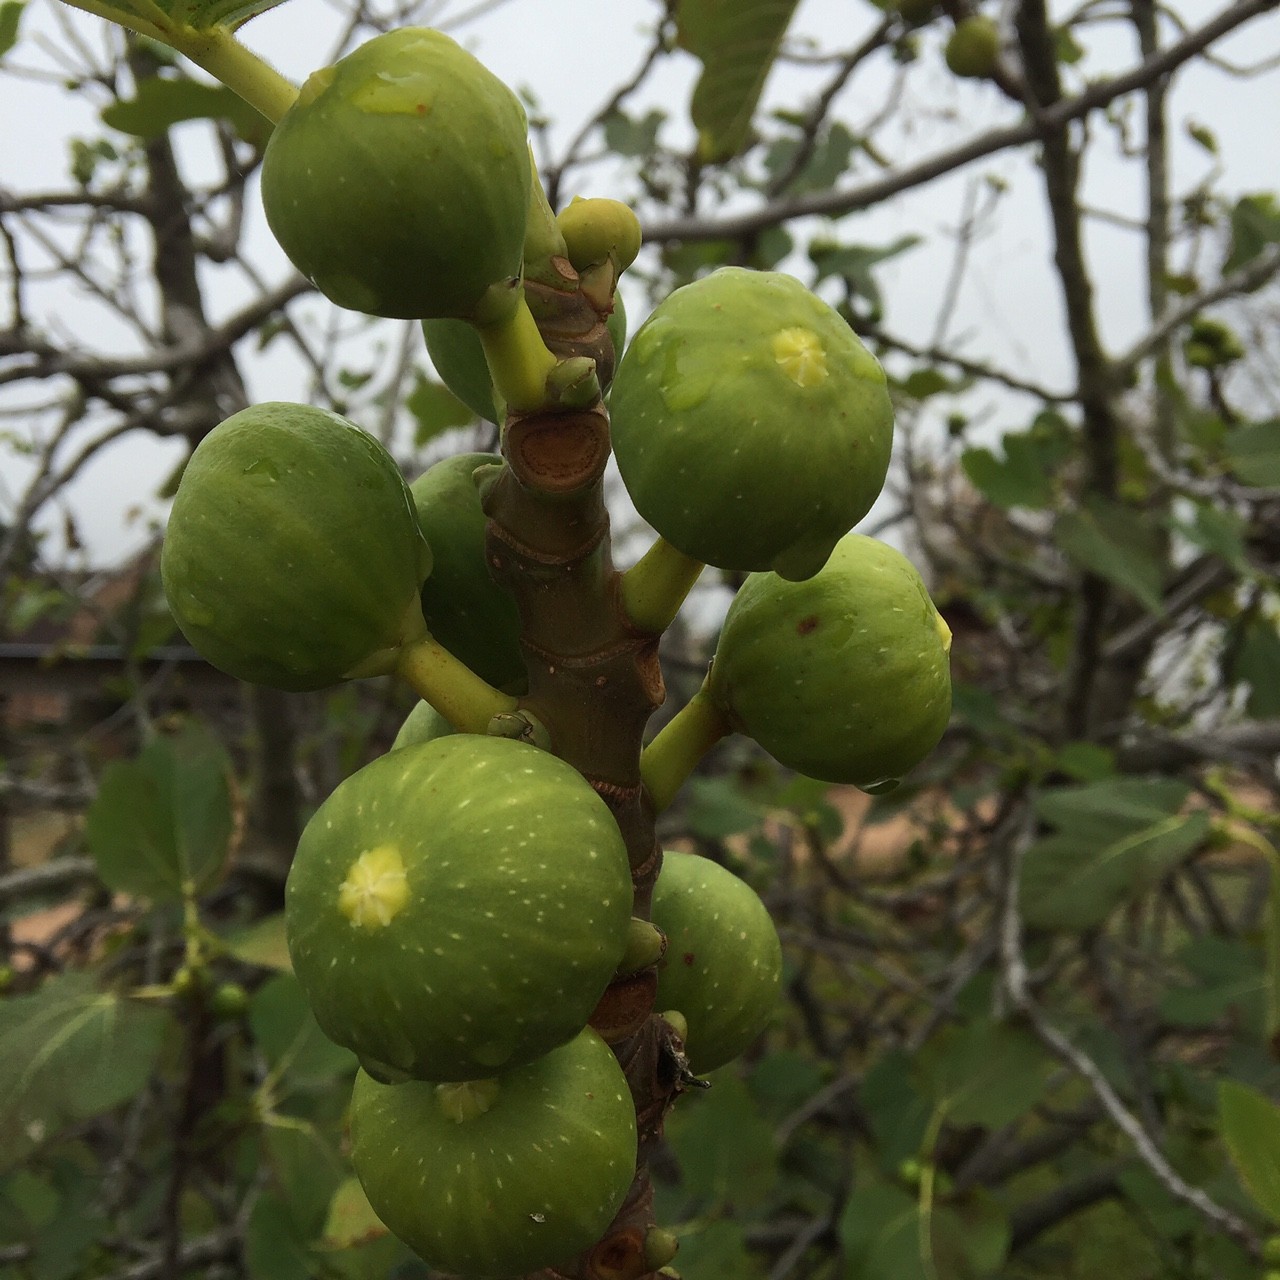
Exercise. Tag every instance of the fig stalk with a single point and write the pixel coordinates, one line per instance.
(448, 684)
(655, 587)
(239, 68)
(672, 756)
(518, 359)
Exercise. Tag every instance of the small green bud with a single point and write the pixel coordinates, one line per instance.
(660, 1246)
(677, 1022)
(646, 944)
(229, 1000)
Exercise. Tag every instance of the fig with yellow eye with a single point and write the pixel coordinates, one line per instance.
(752, 428)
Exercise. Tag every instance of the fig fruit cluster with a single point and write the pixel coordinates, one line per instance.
(458, 907)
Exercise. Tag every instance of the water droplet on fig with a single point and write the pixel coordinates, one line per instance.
(882, 786)
(263, 471)
(195, 611)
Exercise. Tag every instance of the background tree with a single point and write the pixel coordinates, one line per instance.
(1039, 1037)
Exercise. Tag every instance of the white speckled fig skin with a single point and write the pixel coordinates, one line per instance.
(529, 1181)
(723, 964)
(844, 677)
(505, 925)
(751, 426)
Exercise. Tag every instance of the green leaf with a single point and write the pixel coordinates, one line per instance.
(1251, 1128)
(884, 1234)
(716, 1250)
(1253, 453)
(1019, 479)
(718, 807)
(436, 408)
(67, 1052)
(1100, 811)
(854, 264)
(1271, 946)
(896, 1109)
(1226, 979)
(291, 1040)
(263, 944)
(1069, 882)
(273, 1246)
(1256, 663)
(1217, 530)
(1117, 544)
(737, 42)
(1255, 224)
(627, 136)
(161, 825)
(984, 1073)
(164, 101)
(724, 1146)
(1203, 136)
(826, 163)
(10, 17)
(350, 1219)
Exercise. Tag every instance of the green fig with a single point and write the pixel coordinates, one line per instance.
(973, 48)
(399, 181)
(458, 356)
(723, 965)
(422, 724)
(844, 677)
(458, 907)
(293, 556)
(597, 229)
(466, 610)
(751, 426)
(501, 1176)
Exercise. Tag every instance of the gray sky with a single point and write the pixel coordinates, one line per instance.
(1009, 309)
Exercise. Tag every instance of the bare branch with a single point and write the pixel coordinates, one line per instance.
(850, 199)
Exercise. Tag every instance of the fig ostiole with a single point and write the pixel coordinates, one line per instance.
(504, 1175)
(398, 182)
(722, 971)
(844, 677)
(750, 378)
(293, 556)
(457, 907)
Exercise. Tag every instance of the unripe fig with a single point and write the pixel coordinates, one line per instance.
(501, 1176)
(973, 48)
(596, 229)
(422, 724)
(751, 426)
(458, 357)
(458, 907)
(473, 616)
(399, 181)
(844, 677)
(293, 556)
(723, 965)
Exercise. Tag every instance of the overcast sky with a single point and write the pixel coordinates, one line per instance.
(1009, 309)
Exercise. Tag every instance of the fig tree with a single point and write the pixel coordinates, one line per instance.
(465, 609)
(751, 426)
(457, 907)
(399, 181)
(844, 677)
(723, 965)
(293, 556)
(504, 1175)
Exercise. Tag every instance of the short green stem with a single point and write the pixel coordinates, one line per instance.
(240, 69)
(667, 762)
(518, 359)
(655, 587)
(465, 700)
